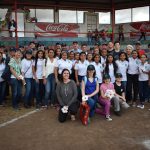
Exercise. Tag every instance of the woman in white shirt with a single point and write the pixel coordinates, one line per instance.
(81, 68)
(26, 69)
(49, 78)
(2, 82)
(38, 77)
(132, 78)
(90, 58)
(122, 64)
(98, 67)
(111, 67)
(62, 64)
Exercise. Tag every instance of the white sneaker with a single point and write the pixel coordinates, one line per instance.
(108, 118)
(140, 106)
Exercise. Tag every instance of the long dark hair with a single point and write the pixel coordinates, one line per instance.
(107, 65)
(3, 59)
(36, 57)
(61, 76)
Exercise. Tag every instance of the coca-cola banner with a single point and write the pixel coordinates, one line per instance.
(130, 30)
(56, 30)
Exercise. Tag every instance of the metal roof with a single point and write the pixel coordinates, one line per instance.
(103, 5)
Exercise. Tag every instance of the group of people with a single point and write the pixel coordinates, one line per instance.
(67, 78)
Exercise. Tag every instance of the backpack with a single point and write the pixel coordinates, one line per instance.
(6, 75)
(85, 79)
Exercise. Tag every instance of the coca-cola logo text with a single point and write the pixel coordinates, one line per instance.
(57, 28)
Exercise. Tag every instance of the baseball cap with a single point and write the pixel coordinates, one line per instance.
(12, 49)
(29, 52)
(138, 43)
(118, 75)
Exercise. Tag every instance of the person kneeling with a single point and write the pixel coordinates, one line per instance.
(66, 91)
(90, 89)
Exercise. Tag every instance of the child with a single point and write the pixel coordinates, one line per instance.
(105, 100)
(144, 69)
(120, 91)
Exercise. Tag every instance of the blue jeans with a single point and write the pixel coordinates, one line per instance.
(124, 83)
(16, 89)
(28, 91)
(50, 89)
(92, 104)
(143, 91)
(2, 91)
(39, 92)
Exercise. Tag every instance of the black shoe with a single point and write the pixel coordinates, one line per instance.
(117, 113)
(26, 106)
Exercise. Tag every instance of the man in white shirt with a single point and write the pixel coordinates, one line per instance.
(75, 47)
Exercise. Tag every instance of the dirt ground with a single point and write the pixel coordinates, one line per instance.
(42, 131)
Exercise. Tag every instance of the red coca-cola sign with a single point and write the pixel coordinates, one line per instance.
(56, 30)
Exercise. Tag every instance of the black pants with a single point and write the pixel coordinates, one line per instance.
(143, 91)
(142, 36)
(132, 83)
(73, 108)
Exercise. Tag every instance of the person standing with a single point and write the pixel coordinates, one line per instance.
(49, 78)
(37, 69)
(26, 69)
(2, 81)
(144, 69)
(16, 84)
(132, 78)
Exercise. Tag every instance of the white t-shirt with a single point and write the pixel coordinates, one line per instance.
(39, 68)
(26, 67)
(99, 70)
(122, 68)
(2, 67)
(133, 66)
(48, 67)
(81, 67)
(64, 64)
(111, 73)
(144, 67)
(103, 60)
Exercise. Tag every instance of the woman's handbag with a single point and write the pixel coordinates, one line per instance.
(84, 113)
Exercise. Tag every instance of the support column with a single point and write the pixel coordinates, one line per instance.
(16, 20)
(113, 19)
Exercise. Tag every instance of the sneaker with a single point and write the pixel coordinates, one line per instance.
(134, 104)
(117, 113)
(73, 117)
(140, 106)
(108, 118)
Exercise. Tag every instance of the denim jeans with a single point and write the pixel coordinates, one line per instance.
(143, 91)
(2, 91)
(39, 92)
(124, 83)
(50, 90)
(16, 89)
(28, 91)
(92, 104)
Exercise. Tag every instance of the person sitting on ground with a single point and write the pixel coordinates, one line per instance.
(66, 92)
(120, 90)
(108, 95)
